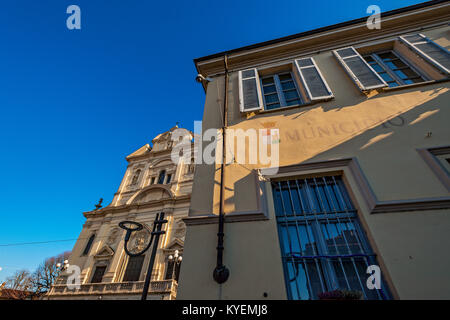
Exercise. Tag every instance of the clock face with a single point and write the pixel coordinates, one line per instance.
(139, 240)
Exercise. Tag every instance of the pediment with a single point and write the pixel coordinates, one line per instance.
(163, 141)
(104, 253)
(151, 193)
(176, 244)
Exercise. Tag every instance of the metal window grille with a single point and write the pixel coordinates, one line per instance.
(134, 267)
(322, 243)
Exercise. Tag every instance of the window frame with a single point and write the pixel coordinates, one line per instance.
(325, 268)
(361, 86)
(142, 258)
(425, 39)
(163, 177)
(400, 82)
(279, 90)
(436, 159)
(104, 267)
(88, 246)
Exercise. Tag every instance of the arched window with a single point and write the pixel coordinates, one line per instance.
(161, 177)
(88, 245)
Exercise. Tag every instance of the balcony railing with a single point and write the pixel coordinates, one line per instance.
(165, 287)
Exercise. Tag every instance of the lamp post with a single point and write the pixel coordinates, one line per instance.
(155, 234)
(63, 266)
(176, 259)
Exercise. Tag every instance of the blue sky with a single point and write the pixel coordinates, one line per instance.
(74, 103)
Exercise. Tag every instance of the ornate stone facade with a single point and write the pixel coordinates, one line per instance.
(152, 183)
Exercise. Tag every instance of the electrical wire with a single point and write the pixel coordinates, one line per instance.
(44, 242)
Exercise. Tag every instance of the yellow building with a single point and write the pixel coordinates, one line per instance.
(360, 120)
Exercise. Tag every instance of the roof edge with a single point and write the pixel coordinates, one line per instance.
(318, 30)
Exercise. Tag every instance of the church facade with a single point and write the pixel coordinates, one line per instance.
(152, 183)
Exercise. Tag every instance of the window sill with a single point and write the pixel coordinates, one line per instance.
(293, 106)
(407, 86)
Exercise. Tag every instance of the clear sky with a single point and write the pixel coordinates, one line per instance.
(74, 103)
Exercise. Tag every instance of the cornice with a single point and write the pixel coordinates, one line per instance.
(327, 38)
(124, 208)
(374, 205)
(372, 202)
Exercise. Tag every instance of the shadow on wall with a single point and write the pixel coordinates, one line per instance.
(385, 144)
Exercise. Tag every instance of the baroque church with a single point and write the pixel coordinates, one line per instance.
(152, 183)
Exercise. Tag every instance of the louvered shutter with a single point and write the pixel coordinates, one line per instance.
(429, 50)
(312, 79)
(249, 91)
(359, 70)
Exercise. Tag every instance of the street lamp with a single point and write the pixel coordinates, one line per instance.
(63, 266)
(130, 227)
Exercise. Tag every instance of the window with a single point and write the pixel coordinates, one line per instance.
(152, 181)
(279, 90)
(98, 274)
(134, 267)
(298, 83)
(393, 69)
(429, 50)
(172, 270)
(322, 243)
(358, 69)
(169, 178)
(169, 270)
(88, 245)
(438, 160)
(161, 177)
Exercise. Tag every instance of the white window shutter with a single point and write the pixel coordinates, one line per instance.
(359, 70)
(429, 50)
(312, 79)
(249, 91)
